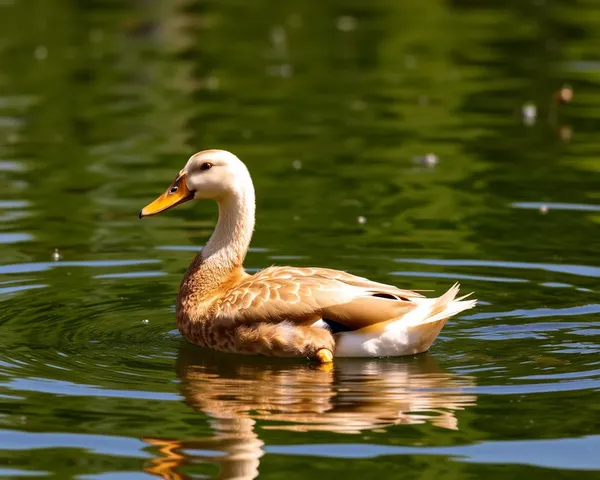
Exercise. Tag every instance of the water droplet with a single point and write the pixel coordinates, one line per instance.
(96, 35)
(410, 62)
(361, 220)
(358, 105)
(346, 23)
(278, 37)
(429, 160)
(41, 52)
(295, 20)
(529, 113)
(56, 256)
(565, 132)
(285, 70)
(212, 83)
(565, 94)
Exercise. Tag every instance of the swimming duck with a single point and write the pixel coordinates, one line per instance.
(317, 313)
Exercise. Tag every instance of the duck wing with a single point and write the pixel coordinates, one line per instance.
(305, 295)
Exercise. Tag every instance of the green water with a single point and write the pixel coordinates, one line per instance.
(333, 106)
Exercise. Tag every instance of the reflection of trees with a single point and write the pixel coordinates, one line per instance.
(354, 113)
(126, 90)
(547, 47)
(101, 103)
(244, 395)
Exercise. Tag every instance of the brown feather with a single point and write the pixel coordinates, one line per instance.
(302, 295)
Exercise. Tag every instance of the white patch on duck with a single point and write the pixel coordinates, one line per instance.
(410, 334)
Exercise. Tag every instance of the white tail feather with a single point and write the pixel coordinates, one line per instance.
(412, 333)
(435, 309)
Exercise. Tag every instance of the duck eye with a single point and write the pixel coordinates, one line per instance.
(173, 189)
(206, 166)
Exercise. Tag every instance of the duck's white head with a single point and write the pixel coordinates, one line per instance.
(210, 174)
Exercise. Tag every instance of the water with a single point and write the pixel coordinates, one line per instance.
(339, 109)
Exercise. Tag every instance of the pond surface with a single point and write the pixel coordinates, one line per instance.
(411, 115)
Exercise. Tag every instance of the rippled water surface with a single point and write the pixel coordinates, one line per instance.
(408, 114)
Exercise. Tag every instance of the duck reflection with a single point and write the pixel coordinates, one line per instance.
(237, 393)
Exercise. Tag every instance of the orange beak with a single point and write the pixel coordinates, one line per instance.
(176, 194)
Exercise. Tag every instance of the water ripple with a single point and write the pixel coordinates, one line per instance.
(58, 387)
(458, 276)
(568, 453)
(561, 376)
(16, 237)
(20, 288)
(582, 270)
(527, 330)
(539, 312)
(583, 207)
(43, 266)
(102, 444)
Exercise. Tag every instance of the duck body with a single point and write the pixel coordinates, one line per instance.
(286, 311)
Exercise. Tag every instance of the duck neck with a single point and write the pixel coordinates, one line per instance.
(223, 255)
(228, 245)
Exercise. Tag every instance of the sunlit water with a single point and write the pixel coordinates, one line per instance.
(384, 139)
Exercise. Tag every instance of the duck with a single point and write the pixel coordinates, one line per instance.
(284, 311)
